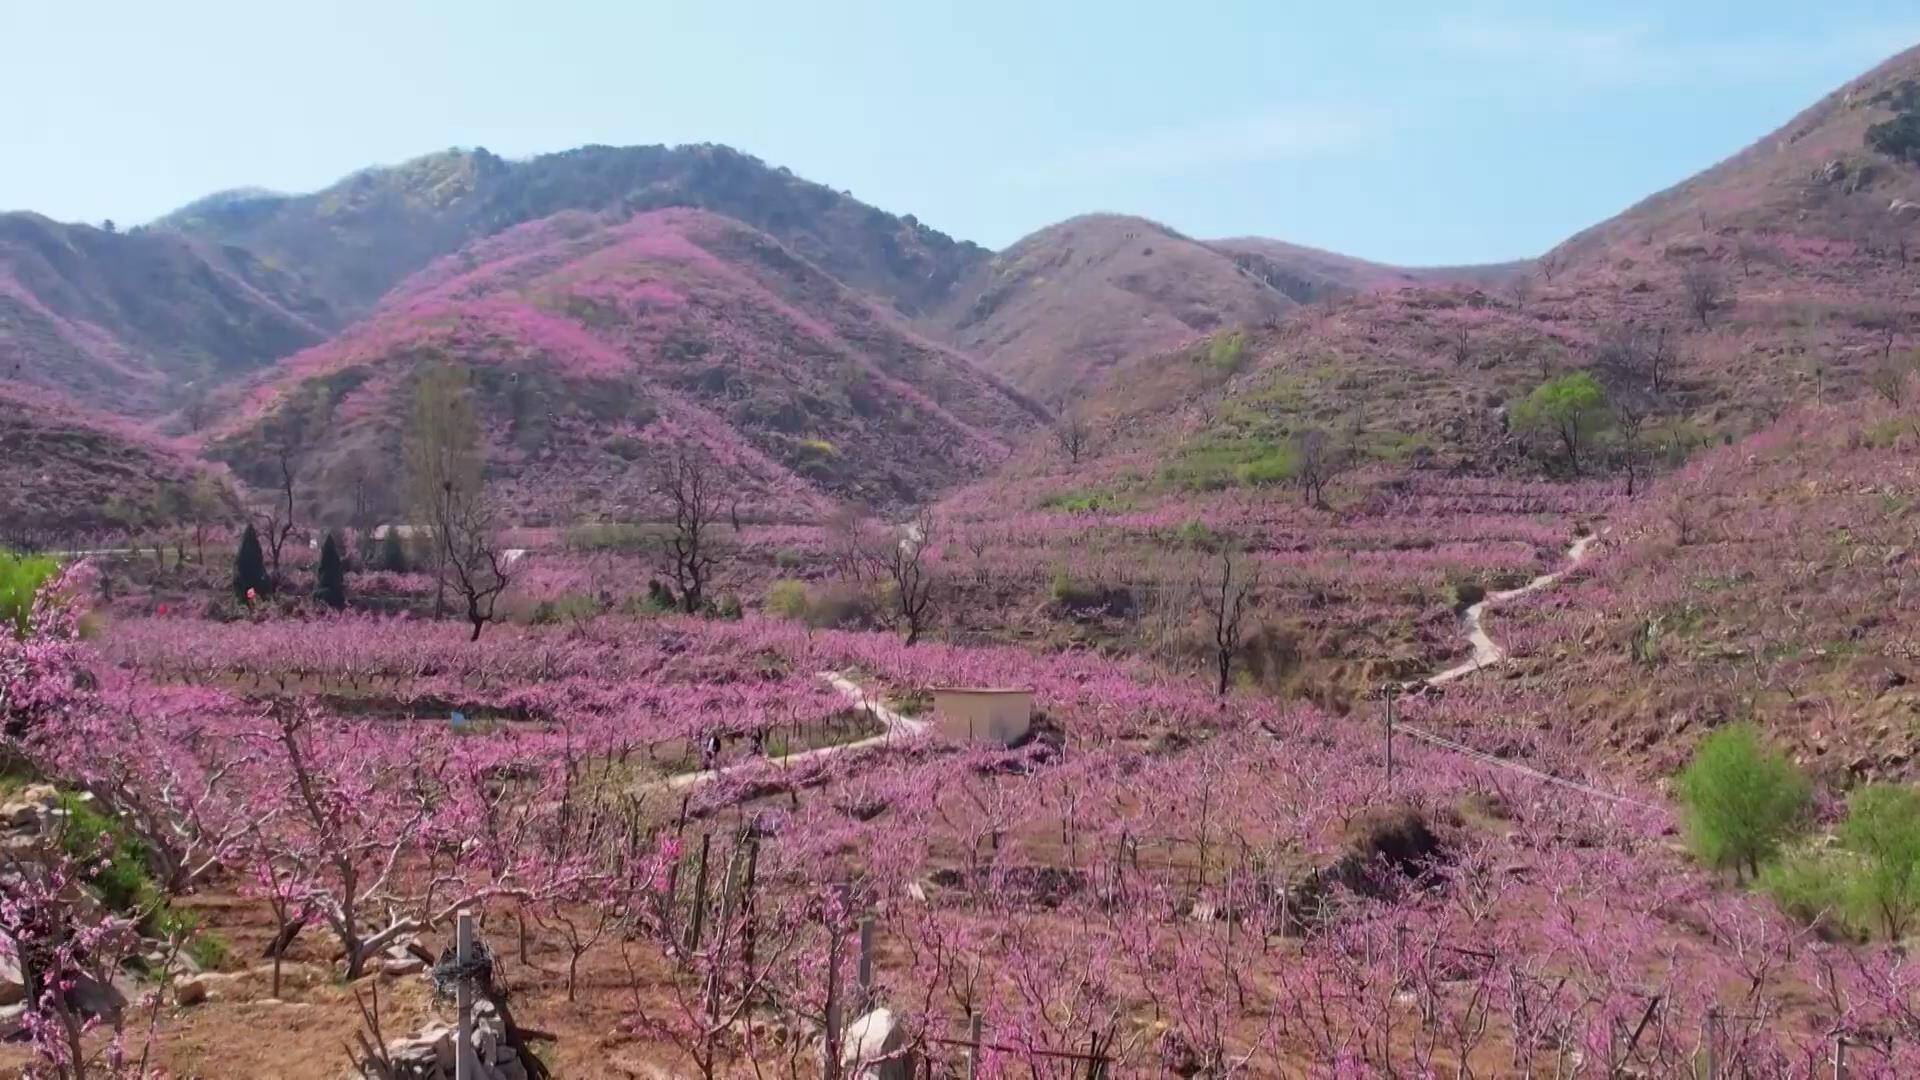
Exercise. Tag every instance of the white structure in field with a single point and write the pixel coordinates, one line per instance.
(982, 714)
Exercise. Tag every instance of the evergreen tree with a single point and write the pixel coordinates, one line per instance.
(333, 575)
(393, 553)
(250, 568)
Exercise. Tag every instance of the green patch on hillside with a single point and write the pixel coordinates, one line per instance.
(1086, 500)
(1899, 137)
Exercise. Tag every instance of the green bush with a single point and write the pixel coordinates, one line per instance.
(788, 559)
(1227, 353)
(609, 536)
(1270, 469)
(570, 607)
(1741, 799)
(20, 578)
(1883, 829)
(787, 599)
(727, 606)
(1074, 594)
(1809, 884)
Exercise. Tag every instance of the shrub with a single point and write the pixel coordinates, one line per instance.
(1228, 352)
(569, 607)
(843, 607)
(1074, 594)
(787, 599)
(788, 559)
(1808, 884)
(1269, 470)
(1741, 799)
(393, 553)
(1467, 593)
(1883, 829)
(20, 578)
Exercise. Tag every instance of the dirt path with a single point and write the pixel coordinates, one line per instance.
(896, 724)
(1486, 651)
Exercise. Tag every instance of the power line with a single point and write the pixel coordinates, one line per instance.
(1482, 756)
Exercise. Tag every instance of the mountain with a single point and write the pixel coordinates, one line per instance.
(359, 238)
(1308, 274)
(131, 321)
(589, 337)
(1061, 308)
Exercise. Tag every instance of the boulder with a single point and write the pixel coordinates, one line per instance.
(189, 990)
(401, 967)
(13, 1020)
(873, 1048)
(13, 986)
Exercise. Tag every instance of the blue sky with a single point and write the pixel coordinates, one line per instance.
(1409, 132)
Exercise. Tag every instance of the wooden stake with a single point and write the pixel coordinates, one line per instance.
(1389, 693)
(465, 1065)
(699, 896)
(973, 1047)
(866, 961)
(830, 1037)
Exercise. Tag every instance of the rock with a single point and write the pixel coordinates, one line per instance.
(1904, 208)
(1832, 172)
(13, 1020)
(102, 998)
(19, 815)
(400, 968)
(189, 990)
(872, 1048)
(13, 987)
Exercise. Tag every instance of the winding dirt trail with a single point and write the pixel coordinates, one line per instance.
(1486, 651)
(896, 725)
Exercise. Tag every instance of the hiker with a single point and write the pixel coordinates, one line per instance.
(710, 751)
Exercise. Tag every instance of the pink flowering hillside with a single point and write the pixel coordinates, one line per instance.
(590, 341)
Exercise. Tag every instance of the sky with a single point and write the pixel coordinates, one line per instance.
(1414, 133)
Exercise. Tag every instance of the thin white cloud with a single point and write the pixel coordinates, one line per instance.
(1281, 133)
(1636, 52)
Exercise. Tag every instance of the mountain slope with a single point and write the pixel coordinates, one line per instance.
(64, 468)
(363, 235)
(1058, 310)
(126, 321)
(1826, 174)
(586, 341)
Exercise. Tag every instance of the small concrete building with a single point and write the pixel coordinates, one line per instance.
(982, 714)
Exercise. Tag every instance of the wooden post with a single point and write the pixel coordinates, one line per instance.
(830, 1035)
(699, 896)
(465, 1065)
(973, 1047)
(747, 935)
(1389, 693)
(866, 961)
(1712, 1037)
(1839, 1057)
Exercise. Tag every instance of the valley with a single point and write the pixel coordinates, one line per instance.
(1497, 670)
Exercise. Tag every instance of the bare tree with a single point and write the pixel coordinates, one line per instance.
(1522, 291)
(1319, 456)
(466, 525)
(1228, 600)
(688, 481)
(1891, 378)
(1638, 354)
(1074, 434)
(1705, 287)
(1461, 347)
(904, 561)
(1630, 451)
(847, 541)
(443, 457)
(274, 521)
(1551, 263)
